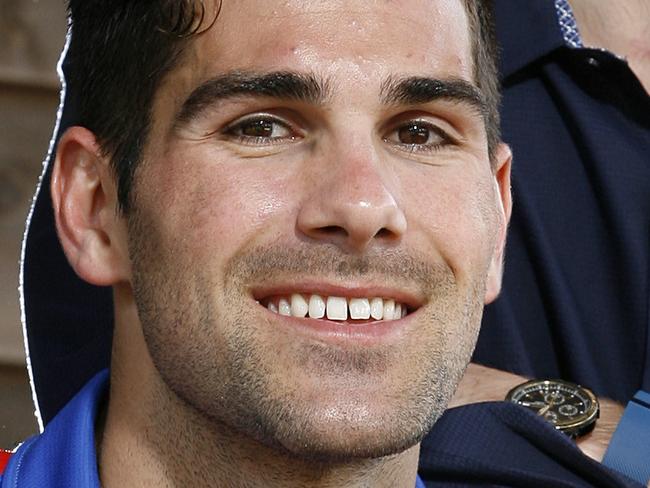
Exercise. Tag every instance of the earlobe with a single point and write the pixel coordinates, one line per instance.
(503, 193)
(90, 229)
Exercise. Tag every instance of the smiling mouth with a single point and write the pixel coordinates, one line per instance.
(336, 308)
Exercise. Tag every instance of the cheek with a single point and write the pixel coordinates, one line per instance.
(455, 211)
(222, 207)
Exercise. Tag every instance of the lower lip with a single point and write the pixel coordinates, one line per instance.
(371, 332)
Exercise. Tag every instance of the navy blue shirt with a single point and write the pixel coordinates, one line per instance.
(576, 296)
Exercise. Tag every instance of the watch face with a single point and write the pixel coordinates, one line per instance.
(571, 408)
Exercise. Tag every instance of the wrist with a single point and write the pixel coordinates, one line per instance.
(484, 384)
(595, 443)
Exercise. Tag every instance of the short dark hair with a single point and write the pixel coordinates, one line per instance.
(121, 50)
(485, 55)
(119, 53)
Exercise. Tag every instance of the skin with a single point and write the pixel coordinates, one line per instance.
(209, 388)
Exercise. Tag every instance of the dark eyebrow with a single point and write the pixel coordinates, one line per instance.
(418, 90)
(285, 85)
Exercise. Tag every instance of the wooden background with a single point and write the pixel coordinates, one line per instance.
(32, 33)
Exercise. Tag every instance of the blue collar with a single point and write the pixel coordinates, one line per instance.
(419, 483)
(64, 454)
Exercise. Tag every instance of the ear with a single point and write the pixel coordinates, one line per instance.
(84, 197)
(502, 183)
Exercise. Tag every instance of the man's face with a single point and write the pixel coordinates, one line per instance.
(302, 151)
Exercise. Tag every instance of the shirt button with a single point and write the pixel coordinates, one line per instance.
(593, 62)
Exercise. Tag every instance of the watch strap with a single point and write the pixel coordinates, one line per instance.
(629, 448)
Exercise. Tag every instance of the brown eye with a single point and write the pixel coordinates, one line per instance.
(413, 134)
(417, 136)
(260, 130)
(257, 128)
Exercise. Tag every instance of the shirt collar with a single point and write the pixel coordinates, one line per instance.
(568, 24)
(64, 454)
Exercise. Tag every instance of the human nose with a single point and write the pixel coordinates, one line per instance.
(354, 205)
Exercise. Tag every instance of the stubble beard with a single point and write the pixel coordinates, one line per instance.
(208, 351)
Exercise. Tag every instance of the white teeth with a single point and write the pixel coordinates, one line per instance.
(397, 314)
(377, 308)
(359, 308)
(389, 309)
(337, 308)
(283, 307)
(299, 307)
(316, 307)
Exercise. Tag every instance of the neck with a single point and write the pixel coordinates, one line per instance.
(622, 27)
(151, 437)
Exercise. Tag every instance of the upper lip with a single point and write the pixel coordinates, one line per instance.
(362, 289)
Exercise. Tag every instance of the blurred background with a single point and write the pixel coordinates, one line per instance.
(32, 33)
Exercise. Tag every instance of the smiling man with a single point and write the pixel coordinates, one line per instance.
(308, 164)
(301, 209)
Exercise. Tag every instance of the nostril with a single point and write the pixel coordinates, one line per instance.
(383, 232)
(332, 230)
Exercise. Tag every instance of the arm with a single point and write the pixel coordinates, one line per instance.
(481, 384)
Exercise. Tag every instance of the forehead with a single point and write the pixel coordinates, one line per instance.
(357, 40)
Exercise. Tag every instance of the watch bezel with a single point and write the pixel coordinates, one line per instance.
(577, 428)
